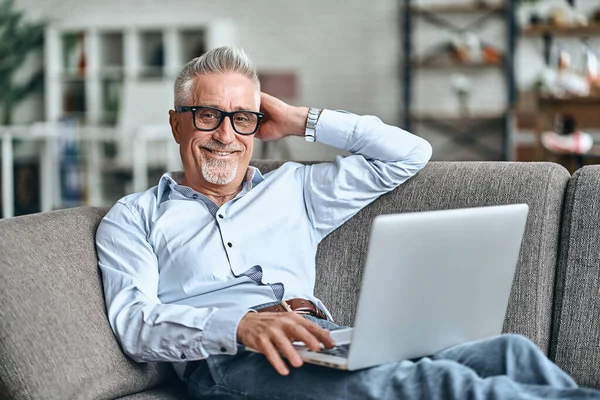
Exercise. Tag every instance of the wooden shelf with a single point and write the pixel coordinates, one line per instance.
(540, 30)
(466, 7)
(447, 63)
(569, 101)
(445, 116)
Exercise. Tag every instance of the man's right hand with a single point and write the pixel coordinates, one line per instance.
(273, 333)
(281, 119)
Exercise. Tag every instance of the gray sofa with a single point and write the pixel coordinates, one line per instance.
(56, 343)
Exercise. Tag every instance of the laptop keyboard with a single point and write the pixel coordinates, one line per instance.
(338, 351)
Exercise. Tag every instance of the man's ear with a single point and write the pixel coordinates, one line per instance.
(175, 127)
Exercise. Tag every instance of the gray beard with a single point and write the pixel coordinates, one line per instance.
(219, 172)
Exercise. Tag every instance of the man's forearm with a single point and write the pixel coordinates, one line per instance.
(383, 157)
(174, 333)
(369, 137)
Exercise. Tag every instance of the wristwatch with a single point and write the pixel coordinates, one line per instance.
(310, 133)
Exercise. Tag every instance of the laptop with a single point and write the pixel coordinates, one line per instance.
(432, 280)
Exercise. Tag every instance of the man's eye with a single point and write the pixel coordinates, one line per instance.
(208, 115)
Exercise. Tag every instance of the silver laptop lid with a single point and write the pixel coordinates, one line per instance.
(435, 279)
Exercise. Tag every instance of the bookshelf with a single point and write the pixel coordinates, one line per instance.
(88, 72)
(86, 67)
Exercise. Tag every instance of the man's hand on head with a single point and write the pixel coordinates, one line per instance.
(273, 333)
(281, 119)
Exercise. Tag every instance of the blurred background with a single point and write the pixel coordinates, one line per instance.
(85, 86)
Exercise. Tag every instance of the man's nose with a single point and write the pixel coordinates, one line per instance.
(224, 133)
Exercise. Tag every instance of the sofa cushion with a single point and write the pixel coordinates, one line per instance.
(55, 340)
(446, 185)
(576, 329)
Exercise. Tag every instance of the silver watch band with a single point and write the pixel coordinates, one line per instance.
(310, 132)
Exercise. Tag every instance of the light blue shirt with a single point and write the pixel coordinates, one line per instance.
(173, 262)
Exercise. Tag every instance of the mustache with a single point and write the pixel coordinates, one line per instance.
(218, 146)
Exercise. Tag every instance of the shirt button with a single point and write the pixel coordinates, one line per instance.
(195, 196)
(230, 244)
(183, 357)
(221, 216)
(223, 350)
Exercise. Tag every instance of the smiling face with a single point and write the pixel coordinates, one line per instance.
(216, 161)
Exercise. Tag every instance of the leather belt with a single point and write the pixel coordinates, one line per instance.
(300, 306)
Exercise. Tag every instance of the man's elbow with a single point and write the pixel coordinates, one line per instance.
(424, 152)
(136, 346)
(411, 163)
(127, 325)
(419, 156)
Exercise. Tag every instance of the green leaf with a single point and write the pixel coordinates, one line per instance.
(20, 92)
(18, 39)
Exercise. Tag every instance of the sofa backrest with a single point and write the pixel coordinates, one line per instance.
(55, 340)
(446, 185)
(575, 335)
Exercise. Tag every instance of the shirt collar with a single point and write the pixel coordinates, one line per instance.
(169, 180)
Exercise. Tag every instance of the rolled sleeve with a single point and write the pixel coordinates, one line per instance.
(382, 157)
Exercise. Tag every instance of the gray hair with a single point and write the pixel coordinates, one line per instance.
(219, 60)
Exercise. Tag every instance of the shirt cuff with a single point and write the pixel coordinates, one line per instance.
(334, 128)
(220, 331)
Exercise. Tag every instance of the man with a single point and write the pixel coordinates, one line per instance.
(197, 267)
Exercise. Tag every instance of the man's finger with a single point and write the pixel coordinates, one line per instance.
(283, 343)
(300, 333)
(269, 350)
(322, 335)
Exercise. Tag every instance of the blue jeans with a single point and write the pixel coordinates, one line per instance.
(502, 367)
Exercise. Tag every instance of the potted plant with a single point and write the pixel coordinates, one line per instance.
(18, 39)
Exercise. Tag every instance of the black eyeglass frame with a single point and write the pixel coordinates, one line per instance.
(193, 109)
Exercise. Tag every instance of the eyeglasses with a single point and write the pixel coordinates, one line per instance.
(210, 118)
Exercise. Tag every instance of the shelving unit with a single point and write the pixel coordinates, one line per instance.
(89, 71)
(461, 129)
(464, 130)
(548, 107)
(87, 66)
(548, 32)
